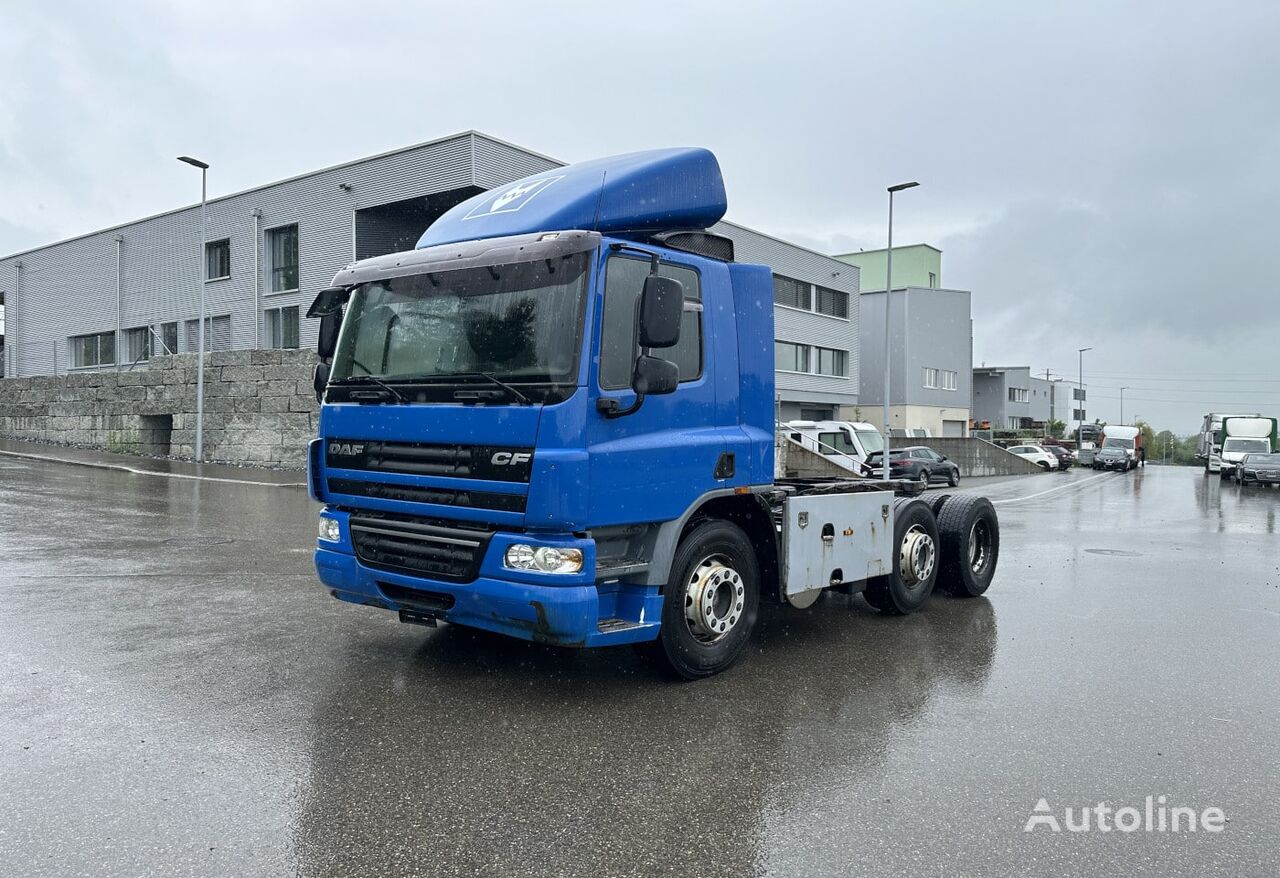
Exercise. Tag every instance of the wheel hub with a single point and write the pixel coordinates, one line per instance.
(714, 599)
(916, 555)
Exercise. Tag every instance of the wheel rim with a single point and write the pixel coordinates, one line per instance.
(916, 556)
(714, 599)
(979, 546)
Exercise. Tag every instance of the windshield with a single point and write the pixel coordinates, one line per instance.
(520, 323)
(1110, 442)
(871, 440)
(1246, 445)
(1264, 459)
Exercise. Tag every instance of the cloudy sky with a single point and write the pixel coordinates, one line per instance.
(1100, 174)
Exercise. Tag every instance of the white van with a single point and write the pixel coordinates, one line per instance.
(845, 443)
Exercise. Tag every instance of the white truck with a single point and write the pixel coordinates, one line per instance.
(1240, 436)
(1209, 431)
(845, 443)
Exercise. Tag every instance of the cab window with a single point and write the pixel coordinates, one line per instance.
(837, 441)
(624, 279)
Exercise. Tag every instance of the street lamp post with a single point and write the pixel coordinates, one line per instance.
(888, 300)
(200, 257)
(1080, 420)
(1122, 390)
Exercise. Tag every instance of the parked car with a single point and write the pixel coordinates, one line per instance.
(1036, 455)
(917, 463)
(1258, 469)
(1064, 455)
(1113, 457)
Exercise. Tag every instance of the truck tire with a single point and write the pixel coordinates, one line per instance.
(915, 560)
(969, 536)
(711, 601)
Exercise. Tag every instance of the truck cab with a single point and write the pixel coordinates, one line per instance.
(554, 420)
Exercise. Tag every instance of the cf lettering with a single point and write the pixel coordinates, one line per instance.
(510, 458)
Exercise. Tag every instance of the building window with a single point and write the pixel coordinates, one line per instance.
(822, 413)
(792, 293)
(282, 327)
(169, 337)
(624, 279)
(282, 255)
(930, 378)
(1019, 394)
(217, 334)
(933, 280)
(137, 344)
(790, 357)
(832, 362)
(1077, 393)
(833, 302)
(98, 349)
(217, 259)
(948, 379)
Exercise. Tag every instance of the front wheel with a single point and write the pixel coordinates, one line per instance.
(954, 478)
(1044, 466)
(711, 601)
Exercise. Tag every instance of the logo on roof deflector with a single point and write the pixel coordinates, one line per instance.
(511, 199)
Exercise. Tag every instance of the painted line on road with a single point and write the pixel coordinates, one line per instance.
(1074, 484)
(144, 472)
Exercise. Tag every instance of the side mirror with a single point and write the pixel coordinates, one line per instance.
(327, 301)
(943, 456)
(661, 309)
(327, 341)
(320, 380)
(654, 376)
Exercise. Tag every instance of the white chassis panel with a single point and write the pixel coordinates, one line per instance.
(832, 538)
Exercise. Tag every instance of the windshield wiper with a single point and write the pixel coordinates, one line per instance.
(372, 379)
(487, 376)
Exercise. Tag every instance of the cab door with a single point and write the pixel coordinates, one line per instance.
(651, 464)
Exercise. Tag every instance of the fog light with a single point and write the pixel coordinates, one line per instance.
(544, 559)
(330, 530)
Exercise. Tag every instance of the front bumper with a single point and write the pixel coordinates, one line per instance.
(1265, 477)
(565, 610)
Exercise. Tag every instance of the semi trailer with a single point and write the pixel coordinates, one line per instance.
(554, 419)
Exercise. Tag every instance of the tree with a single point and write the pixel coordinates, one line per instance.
(1148, 436)
(1056, 428)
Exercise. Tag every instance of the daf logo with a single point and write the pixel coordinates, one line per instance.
(346, 449)
(510, 458)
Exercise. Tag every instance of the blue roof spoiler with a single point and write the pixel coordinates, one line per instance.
(642, 192)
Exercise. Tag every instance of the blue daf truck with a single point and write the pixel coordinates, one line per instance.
(553, 419)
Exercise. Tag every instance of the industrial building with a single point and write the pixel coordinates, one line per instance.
(114, 298)
(930, 339)
(1010, 398)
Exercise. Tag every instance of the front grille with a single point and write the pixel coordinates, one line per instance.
(424, 494)
(447, 550)
(493, 462)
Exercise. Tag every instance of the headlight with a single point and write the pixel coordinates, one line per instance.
(544, 559)
(330, 530)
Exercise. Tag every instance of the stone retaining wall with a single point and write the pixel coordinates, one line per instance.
(259, 408)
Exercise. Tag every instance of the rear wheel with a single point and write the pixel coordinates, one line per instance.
(969, 536)
(711, 601)
(915, 560)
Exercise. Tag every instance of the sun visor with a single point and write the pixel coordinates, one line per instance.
(653, 191)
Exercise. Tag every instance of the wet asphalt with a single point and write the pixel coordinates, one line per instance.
(179, 696)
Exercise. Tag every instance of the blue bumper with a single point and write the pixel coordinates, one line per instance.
(565, 610)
